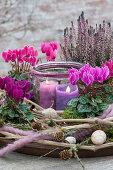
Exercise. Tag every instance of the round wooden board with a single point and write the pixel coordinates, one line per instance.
(39, 150)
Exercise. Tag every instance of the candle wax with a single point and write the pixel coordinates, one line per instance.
(47, 94)
(63, 97)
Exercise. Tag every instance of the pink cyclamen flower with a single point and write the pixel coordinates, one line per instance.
(105, 72)
(73, 76)
(43, 47)
(32, 60)
(54, 45)
(48, 50)
(84, 69)
(29, 95)
(109, 64)
(53, 55)
(28, 52)
(17, 94)
(22, 84)
(101, 74)
(27, 86)
(87, 78)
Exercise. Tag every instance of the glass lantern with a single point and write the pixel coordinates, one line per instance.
(52, 79)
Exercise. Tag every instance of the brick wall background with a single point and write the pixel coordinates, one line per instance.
(30, 22)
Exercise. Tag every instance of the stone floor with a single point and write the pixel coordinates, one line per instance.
(16, 161)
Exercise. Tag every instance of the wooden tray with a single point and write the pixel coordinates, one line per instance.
(39, 150)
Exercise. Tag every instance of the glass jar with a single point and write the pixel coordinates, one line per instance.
(47, 77)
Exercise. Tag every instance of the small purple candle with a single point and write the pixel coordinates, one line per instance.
(47, 94)
(64, 93)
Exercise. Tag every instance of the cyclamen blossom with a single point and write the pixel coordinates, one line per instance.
(109, 64)
(54, 45)
(17, 94)
(101, 74)
(87, 78)
(88, 74)
(74, 76)
(50, 50)
(27, 54)
(84, 69)
(16, 90)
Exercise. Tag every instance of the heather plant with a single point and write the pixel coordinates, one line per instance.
(88, 44)
(12, 108)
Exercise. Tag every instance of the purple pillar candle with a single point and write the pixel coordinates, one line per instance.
(64, 93)
(47, 94)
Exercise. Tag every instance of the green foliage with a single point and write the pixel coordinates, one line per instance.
(110, 134)
(85, 106)
(17, 75)
(109, 96)
(51, 122)
(10, 111)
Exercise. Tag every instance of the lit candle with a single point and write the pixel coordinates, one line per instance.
(64, 93)
(47, 94)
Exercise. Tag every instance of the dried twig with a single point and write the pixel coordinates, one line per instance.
(87, 120)
(36, 105)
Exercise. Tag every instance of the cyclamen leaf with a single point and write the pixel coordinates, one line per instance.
(99, 113)
(108, 89)
(11, 113)
(83, 100)
(92, 115)
(98, 99)
(109, 98)
(30, 117)
(93, 103)
(96, 109)
(84, 108)
(103, 106)
(0, 110)
(72, 101)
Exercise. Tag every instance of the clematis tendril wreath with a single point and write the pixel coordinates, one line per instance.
(12, 108)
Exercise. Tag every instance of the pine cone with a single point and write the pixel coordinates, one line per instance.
(37, 125)
(66, 154)
(59, 136)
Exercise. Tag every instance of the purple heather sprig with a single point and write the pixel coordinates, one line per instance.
(16, 90)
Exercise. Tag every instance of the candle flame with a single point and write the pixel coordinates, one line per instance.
(47, 81)
(68, 89)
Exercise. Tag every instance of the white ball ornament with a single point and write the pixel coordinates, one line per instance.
(50, 113)
(70, 139)
(98, 137)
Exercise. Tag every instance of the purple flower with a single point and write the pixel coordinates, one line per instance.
(17, 94)
(22, 84)
(2, 83)
(84, 69)
(74, 76)
(87, 78)
(27, 87)
(29, 95)
(8, 79)
(9, 88)
(101, 74)
(105, 72)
